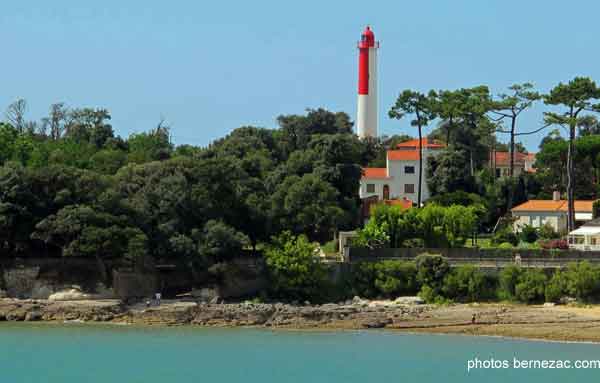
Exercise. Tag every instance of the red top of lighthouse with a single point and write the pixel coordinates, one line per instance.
(367, 39)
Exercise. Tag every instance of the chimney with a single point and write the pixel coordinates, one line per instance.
(556, 196)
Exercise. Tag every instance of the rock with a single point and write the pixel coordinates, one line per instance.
(357, 300)
(33, 316)
(549, 304)
(567, 300)
(374, 324)
(409, 301)
(306, 303)
(69, 295)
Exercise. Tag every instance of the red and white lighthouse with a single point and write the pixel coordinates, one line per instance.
(366, 118)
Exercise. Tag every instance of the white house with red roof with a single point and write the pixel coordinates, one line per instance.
(400, 178)
(500, 162)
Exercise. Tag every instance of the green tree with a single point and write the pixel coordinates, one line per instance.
(293, 267)
(577, 96)
(423, 109)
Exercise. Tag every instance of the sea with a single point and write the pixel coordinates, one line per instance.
(42, 352)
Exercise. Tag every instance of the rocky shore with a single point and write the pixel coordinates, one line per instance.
(565, 323)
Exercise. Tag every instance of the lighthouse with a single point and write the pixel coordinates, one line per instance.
(366, 116)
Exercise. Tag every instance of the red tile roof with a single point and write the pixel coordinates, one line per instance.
(503, 158)
(375, 173)
(552, 206)
(425, 142)
(403, 155)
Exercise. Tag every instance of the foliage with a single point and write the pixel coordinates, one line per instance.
(528, 234)
(557, 287)
(431, 271)
(531, 286)
(388, 279)
(467, 283)
(546, 231)
(294, 271)
(583, 280)
(505, 235)
(507, 282)
(434, 225)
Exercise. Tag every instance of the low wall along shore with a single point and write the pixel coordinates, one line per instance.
(485, 258)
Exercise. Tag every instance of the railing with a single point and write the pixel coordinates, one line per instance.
(584, 247)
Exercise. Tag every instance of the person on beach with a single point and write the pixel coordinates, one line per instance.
(158, 296)
(473, 318)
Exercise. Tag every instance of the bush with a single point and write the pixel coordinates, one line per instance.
(431, 271)
(583, 280)
(294, 270)
(467, 283)
(546, 231)
(560, 244)
(528, 234)
(505, 235)
(394, 278)
(388, 279)
(531, 286)
(507, 282)
(505, 245)
(557, 287)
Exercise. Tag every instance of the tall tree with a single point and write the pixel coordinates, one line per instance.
(577, 96)
(56, 120)
(15, 114)
(422, 107)
(509, 107)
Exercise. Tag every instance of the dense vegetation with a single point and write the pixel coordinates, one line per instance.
(70, 186)
(431, 277)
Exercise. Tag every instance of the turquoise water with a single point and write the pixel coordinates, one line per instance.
(75, 353)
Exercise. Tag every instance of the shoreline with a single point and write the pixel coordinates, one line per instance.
(513, 321)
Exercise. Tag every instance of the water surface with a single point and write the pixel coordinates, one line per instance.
(90, 353)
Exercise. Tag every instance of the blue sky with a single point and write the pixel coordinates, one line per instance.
(211, 66)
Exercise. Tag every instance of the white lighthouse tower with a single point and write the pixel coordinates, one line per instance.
(366, 117)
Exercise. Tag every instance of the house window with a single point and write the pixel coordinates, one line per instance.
(409, 188)
(497, 173)
(409, 169)
(370, 188)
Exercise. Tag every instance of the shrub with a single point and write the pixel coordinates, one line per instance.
(555, 244)
(388, 278)
(394, 278)
(507, 282)
(372, 236)
(583, 280)
(294, 270)
(528, 234)
(431, 271)
(546, 231)
(505, 245)
(467, 283)
(531, 286)
(505, 235)
(557, 287)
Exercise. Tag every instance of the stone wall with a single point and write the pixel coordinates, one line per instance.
(41, 277)
(476, 255)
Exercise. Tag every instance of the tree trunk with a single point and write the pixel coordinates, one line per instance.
(512, 148)
(571, 181)
(420, 168)
(511, 170)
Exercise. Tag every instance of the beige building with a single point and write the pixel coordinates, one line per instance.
(550, 212)
(500, 162)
